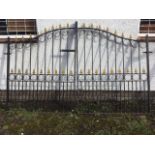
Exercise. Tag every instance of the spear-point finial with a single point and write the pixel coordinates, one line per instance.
(119, 71)
(19, 71)
(41, 71)
(112, 71)
(135, 70)
(11, 70)
(59, 26)
(67, 25)
(96, 71)
(41, 32)
(48, 72)
(70, 72)
(45, 30)
(127, 70)
(115, 32)
(83, 25)
(22, 37)
(143, 70)
(33, 71)
(104, 71)
(56, 72)
(81, 71)
(16, 38)
(88, 71)
(63, 71)
(107, 29)
(30, 36)
(26, 71)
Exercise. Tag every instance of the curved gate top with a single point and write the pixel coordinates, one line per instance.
(80, 65)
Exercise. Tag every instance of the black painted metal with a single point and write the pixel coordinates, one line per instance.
(87, 90)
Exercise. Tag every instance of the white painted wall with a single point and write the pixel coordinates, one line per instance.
(126, 26)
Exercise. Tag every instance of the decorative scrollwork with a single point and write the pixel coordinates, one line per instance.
(26, 77)
(41, 77)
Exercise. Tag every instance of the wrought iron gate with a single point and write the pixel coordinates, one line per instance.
(85, 68)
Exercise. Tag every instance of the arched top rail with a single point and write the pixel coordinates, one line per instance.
(98, 30)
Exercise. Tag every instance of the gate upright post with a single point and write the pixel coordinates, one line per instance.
(76, 57)
(148, 73)
(8, 69)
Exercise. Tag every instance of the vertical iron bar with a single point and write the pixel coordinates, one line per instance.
(15, 90)
(100, 77)
(92, 78)
(23, 53)
(84, 63)
(76, 59)
(8, 72)
(45, 56)
(107, 49)
(131, 65)
(124, 106)
(60, 66)
(30, 69)
(52, 60)
(67, 63)
(139, 60)
(148, 73)
(115, 46)
(38, 45)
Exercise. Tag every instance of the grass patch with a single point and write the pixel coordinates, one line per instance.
(20, 121)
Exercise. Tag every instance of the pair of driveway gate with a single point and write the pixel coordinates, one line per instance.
(86, 68)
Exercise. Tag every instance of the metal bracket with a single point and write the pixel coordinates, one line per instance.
(67, 50)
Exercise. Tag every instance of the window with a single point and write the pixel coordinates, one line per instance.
(147, 26)
(18, 27)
